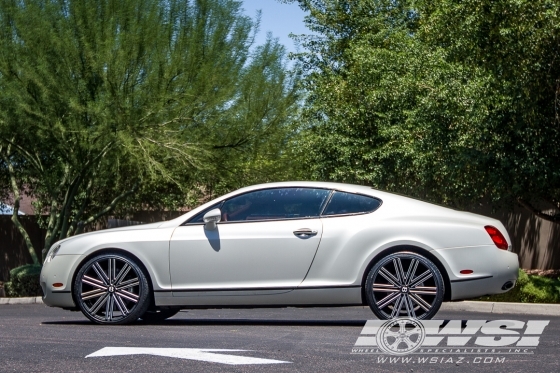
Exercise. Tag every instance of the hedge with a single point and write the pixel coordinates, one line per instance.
(24, 281)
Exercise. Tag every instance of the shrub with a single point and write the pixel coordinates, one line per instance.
(24, 281)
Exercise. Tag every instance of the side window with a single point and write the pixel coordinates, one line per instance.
(347, 203)
(274, 204)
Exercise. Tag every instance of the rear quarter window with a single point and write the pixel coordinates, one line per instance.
(342, 203)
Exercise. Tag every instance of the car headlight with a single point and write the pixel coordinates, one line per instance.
(52, 253)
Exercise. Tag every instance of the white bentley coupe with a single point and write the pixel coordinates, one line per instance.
(284, 244)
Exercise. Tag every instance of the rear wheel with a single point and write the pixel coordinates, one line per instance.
(111, 288)
(404, 284)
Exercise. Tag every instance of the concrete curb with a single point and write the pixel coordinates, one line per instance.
(503, 307)
(26, 300)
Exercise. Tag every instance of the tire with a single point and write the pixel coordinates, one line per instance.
(111, 288)
(404, 284)
(160, 314)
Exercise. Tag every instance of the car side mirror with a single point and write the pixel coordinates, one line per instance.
(211, 218)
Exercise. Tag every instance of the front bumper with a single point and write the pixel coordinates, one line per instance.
(59, 270)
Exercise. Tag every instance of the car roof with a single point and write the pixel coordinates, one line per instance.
(353, 188)
(308, 184)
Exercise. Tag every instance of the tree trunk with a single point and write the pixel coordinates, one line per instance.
(15, 218)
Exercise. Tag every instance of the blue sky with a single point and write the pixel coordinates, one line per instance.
(280, 19)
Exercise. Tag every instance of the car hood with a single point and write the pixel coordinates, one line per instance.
(110, 230)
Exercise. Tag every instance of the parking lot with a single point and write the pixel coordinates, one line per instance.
(35, 338)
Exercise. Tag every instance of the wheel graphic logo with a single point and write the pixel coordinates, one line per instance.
(400, 336)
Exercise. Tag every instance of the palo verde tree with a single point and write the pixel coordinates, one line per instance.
(108, 104)
(448, 101)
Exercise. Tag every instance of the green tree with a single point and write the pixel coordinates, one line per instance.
(123, 104)
(444, 100)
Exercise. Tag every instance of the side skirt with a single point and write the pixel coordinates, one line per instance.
(324, 296)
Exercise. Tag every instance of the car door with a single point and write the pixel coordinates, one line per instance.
(267, 240)
(348, 231)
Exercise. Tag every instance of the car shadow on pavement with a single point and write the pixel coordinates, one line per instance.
(197, 322)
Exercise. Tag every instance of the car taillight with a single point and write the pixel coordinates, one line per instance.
(497, 237)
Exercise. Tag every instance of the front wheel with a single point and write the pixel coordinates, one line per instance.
(111, 288)
(404, 284)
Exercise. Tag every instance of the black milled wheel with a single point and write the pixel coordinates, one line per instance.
(404, 284)
(111, 288)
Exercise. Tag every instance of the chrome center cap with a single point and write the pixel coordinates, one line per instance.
(404, 289)
(111, 289)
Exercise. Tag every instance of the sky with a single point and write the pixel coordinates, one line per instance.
(280, 19)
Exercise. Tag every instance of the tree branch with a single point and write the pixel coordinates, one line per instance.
(80, 212)
(50, 226)
(17, 197)
(107, 209)
(552, 218)
(234, 145)
(34, 160)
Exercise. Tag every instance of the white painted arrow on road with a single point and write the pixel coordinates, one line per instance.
(200, 354)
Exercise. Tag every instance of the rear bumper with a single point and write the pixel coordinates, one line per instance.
(492, 269)
(481, 287)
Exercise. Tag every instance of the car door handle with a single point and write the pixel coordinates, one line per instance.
(305, 233)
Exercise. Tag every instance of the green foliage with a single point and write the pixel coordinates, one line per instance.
(530, 289)
(444, 100)
(24, 282)
(120, 105)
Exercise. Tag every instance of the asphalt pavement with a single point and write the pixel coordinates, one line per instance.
(36, 338)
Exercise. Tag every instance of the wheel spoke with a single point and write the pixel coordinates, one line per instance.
(387, 300)
(97, 305)
(399, 270)
(93, 282)
(128, 284)
(395, 344)
(411, 271)
(111, 270)
(122, 274)
(408, 342)
(428, 290)
(416, 330)
(420, 279)
(397, 307)
(127, 295)
(402, 327)
(391, 333)
(389, 277)
(421, 302)
(387, 288)
(409, 307)
(109, 308)
(93, 294)
(121, 306)
(101, 273)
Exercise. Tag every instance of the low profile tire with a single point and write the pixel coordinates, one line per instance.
(160, 314)
(404, 284)
(112, 288)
